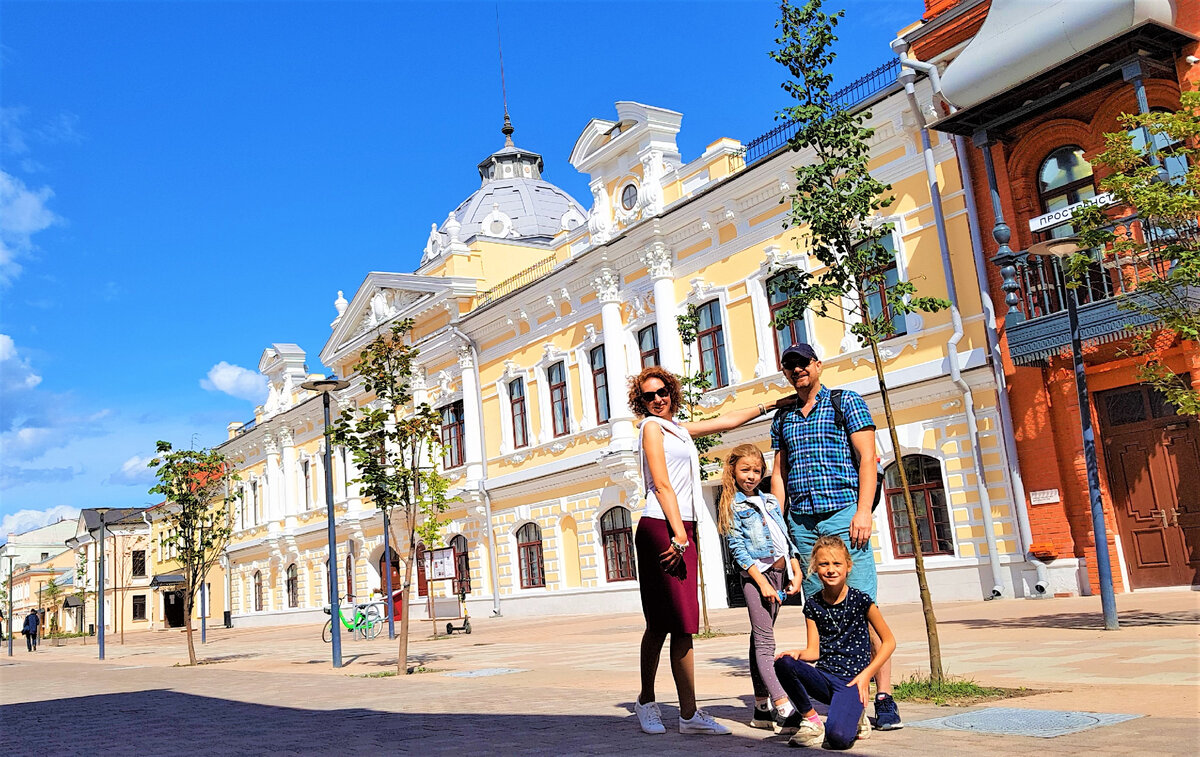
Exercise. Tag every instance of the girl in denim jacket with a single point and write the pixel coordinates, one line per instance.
(752, 524)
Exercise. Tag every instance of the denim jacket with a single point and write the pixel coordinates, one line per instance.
(748, 537)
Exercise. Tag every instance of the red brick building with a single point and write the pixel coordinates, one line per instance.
(1031, 88)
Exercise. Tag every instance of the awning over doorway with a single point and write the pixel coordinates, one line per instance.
(72, 601)
(166, 580)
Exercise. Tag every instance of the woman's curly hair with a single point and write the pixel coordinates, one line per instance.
(638, 405)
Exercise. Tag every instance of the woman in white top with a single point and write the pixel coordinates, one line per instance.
(667, 565)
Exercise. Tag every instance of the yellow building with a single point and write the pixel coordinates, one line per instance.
(166, 600)
(125, 591)
(31, 589)
(532, 312)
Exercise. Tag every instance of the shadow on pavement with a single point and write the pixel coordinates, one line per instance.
(1084, 621)
(161, 722)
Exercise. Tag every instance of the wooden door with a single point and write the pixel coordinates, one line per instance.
(1153, 461)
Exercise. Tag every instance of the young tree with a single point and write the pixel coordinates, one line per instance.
(393, 445)
(834, 204)
(693, 385)
(194, 484)
(1160, 259)
(53, 591)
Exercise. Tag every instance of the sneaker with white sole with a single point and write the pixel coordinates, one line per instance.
(703, 723)
(787, 726)
(809, 734)
(887, 714)
(864, 726)
(763, 718)
(649, 716)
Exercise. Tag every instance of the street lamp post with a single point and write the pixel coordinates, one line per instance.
(100, 511)
(10, 557)
(324, 387)
(1058, 250)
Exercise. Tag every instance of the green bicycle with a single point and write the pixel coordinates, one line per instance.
(367, 620)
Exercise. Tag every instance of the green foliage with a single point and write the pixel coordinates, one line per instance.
(693, 385)
(52, 591)
(1163, 261)
(196, 487)
(949, 691)
(836, 197)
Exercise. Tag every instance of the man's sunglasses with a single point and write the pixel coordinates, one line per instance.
(802, 362)
(648, 397)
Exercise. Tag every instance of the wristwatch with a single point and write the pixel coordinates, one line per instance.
(680, 548)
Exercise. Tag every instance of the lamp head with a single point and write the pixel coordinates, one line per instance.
(1063, 247)
(328, 384)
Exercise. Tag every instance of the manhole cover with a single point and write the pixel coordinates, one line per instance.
(1009, 721)
(484, 672)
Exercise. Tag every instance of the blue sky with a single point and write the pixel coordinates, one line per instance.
(185, 183)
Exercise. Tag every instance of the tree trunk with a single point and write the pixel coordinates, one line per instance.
(402, 649)
(935, 647)
(187, 623)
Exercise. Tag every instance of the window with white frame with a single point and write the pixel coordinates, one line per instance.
(710, 343)
(792, 333)
(560, 411)
(599, 382)
(258, 591)
(519, 411)
(924, 475)
(306, 476)
(876, 291)
(529, 552)
(647, 340)
(293, 586)
(453, 433)
(616, 534)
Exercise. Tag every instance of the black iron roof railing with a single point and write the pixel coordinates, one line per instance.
(512, 283)
(848, 97)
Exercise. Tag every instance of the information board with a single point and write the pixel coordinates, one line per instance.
(441, 563)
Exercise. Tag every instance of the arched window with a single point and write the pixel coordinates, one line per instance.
(293, 586)
(929, 501)
(529, 551)
(710, 339)
(794, 332)
(462, 565)
(258, 591)
(616, 532)
(1064, 178)
(422, 578)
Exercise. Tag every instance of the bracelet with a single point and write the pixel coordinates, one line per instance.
(679, 548)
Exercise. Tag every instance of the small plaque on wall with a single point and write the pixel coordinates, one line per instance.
(1044, 497)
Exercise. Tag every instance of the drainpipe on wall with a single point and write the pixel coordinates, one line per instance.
(907, 78)
(493, 572)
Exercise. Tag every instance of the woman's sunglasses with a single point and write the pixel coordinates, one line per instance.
(662, 392)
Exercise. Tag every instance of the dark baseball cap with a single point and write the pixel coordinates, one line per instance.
(800, 350)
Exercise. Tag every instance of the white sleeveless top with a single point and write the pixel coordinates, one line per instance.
(683, 470)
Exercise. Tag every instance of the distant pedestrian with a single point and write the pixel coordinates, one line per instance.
(752, 523)
(836, 618)
(825, 487)
(666, 556)
(30, 629)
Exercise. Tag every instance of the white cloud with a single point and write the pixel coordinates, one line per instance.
(23, 213)
(15, 373)
(236, 381)
(27, 520)
(133, 471)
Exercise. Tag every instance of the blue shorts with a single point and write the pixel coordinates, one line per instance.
(806, 528)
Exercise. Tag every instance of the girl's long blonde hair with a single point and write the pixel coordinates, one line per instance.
(729, 484)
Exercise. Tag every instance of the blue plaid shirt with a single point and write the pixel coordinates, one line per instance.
(819, 475)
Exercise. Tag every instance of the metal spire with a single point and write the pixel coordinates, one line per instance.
(507, 130)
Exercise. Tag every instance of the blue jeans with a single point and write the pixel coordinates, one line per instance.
(804, 682)
(806, 528)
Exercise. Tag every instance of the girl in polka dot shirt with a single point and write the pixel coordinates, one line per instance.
(839, 645)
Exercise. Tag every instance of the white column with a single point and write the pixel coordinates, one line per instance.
(608, 290)
(472, 423)
(273, 507)
(288, 493)
(658, 259)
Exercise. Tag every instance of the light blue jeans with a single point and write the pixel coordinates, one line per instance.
(805, 530)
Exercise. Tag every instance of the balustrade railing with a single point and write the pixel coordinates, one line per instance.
(515, 282)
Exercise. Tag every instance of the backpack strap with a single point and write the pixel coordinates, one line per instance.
(839, 417)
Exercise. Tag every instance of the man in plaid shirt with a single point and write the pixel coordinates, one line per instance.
(822, 491)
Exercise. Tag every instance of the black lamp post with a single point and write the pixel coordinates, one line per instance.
(324, 387)
(1058, 250)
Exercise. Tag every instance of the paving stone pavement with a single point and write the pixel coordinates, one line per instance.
(271, 691)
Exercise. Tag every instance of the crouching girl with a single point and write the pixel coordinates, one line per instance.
(840, 646)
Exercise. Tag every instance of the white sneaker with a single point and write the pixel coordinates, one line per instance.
(809, 734)
(702, 722)
(864, 727)
(649, 716)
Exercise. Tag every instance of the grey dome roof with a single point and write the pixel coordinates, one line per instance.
(513, 201)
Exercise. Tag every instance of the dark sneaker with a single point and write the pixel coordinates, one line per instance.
(887, 714)
(763, 718)
(787, 726)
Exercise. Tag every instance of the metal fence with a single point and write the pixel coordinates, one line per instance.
(847, 98)
(513, 283)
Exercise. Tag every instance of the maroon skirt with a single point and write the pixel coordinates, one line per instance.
(669, 599)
